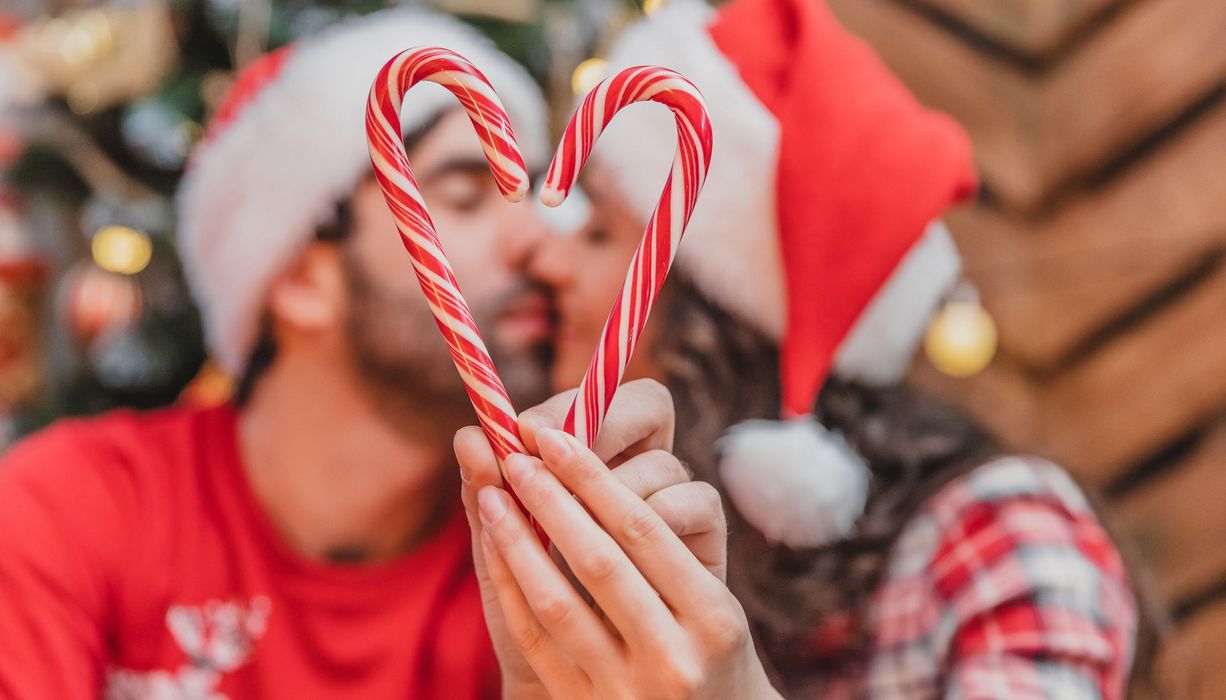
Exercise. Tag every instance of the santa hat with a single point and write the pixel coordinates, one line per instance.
(819, 225)
(288, 144)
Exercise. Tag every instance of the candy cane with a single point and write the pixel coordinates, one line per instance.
(417, 232)
(656, 251)
(648, 268)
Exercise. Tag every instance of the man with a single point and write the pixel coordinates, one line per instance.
(307, 541)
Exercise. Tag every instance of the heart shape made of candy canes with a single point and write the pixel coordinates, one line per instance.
(648, 267)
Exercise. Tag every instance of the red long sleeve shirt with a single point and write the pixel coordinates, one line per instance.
(135, 562)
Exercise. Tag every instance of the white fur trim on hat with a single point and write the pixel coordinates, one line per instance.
(879, 347)
(797, 483)
(255, 193)
(731, 248)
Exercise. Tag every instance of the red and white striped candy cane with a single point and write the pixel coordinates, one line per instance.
(417, 232)
(656, 251)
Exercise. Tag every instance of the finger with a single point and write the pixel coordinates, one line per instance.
(594, 558)
(657, 472)
(641, 418)
(554, 604)
(478, 467)
(478, 464)
(560, 675)
(545, 416)
(661, 557)
(694, 512)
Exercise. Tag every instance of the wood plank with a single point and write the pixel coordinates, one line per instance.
(996, 102)
(1156, 59)
(1030, 27)
(1051, 281)
(1177, 522)
(1143, 390)
(1035, 132)
(1190, 662)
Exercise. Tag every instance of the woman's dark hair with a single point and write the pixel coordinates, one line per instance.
(721, 372)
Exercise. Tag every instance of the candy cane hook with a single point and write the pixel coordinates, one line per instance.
(417, 231)
(655, 253)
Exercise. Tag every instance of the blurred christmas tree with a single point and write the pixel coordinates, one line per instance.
(100, 105)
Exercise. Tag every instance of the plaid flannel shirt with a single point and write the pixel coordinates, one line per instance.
(1004, 586)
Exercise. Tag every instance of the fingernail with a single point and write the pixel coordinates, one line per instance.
(519, 469)
(555, 445)
(464, 475)
(492, 504)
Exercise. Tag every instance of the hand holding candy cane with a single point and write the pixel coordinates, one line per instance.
(679, 630)
(660, 622)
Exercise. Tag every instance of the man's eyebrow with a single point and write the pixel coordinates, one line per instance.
(463, 165)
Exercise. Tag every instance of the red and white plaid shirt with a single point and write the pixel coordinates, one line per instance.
(1004, 586)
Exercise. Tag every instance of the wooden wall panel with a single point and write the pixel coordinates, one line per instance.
(1100, 248)
(1036, 130)
(1155, 60)
(1030, 27)
(995, 100)
(1178, 522)
(1191, 663)
(1143, 390)
(1053, 280)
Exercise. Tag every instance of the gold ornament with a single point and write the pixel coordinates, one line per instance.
(588, 74)
(961, 340)
(121, 249)
(650, 7)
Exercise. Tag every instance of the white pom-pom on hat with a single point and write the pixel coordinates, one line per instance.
(799, 484)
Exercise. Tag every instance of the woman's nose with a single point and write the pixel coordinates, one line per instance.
(548, 262)
(523, 232)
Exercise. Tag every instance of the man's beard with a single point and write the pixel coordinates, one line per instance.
(402, 361)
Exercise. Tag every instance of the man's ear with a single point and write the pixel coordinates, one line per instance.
(310, 294)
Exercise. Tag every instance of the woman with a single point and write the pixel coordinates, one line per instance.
(882, 544)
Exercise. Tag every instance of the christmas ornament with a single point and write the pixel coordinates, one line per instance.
(93, 300)
(651, 260)
(650, 7)
(961, 340)
(588, 74)
(121, 249)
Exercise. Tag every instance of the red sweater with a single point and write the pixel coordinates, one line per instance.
(135, 562)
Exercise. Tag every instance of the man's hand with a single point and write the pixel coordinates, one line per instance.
(646, 542)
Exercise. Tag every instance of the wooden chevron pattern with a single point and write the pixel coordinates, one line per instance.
(1099, 246)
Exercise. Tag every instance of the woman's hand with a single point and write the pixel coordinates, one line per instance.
(645, 542)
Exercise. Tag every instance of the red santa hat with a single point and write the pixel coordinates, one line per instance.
(819, 225)
(288, 144)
